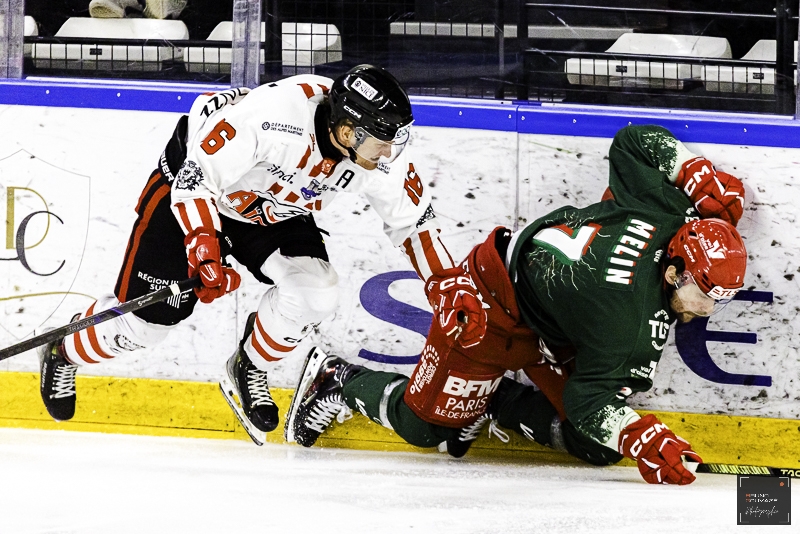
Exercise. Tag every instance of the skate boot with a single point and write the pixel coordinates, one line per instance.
(246, 390)
(57, 384)
(459, 445)
(318, 397)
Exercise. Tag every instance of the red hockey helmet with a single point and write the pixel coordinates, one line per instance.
(714, 254)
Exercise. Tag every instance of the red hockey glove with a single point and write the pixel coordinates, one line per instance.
(657, 451)
(202, 250)
(457, 306)
(714, 193)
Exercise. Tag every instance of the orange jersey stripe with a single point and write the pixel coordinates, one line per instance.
(271, 342)
(187, 226)
(307, 89)
(145, 191)
(304, 159)
(205, 214)
(292, 197)
(80, 350)
(160, 193)
(413, 257)
(260, 350)
(93, 336)
(447, 252)
(430, 253)
(153, 179)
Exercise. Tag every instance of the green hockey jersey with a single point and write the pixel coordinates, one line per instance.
(593, 277)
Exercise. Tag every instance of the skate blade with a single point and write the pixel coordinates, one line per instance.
(226, 388)
(310, 369)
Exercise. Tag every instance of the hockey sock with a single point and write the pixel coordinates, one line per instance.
(526, 411)
(379, 396)
(582, 446)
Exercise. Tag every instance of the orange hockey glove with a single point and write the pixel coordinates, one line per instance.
(203, 254)
(657, 451)
(714, 193)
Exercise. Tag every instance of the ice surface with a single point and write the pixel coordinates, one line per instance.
(65, 483)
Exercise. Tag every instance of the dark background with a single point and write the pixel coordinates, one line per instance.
(481, 67)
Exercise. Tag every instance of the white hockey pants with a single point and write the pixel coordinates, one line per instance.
(304, 294)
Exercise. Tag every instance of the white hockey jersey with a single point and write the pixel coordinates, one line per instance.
(253, 156)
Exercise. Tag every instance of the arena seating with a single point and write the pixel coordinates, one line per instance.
(103, 56)
(455, 29)
(640, 73)
(303, 46)
(759, 80)
(307, 45)
(30, 29)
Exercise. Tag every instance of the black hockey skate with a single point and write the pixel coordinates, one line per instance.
(246, 390)
(57, 384)
(318, 397)
(459, 445)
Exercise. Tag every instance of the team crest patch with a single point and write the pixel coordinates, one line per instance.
(427, 216)
(190, 176)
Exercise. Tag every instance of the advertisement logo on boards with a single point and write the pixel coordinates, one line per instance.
(44, 235)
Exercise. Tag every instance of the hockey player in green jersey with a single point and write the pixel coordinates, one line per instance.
(581, 300)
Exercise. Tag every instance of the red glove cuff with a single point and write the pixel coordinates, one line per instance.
(204, 258)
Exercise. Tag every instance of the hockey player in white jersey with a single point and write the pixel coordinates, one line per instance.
(243, 174)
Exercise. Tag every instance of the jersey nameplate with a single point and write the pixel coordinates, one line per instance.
(222, 99)
(621, 265)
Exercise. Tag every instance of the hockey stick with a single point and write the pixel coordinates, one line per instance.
(97, 318)
(732, 469)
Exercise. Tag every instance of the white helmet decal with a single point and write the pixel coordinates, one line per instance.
(364, 89)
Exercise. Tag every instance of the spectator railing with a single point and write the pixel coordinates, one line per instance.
(302, 48)
(514, 49)
(125, 58)
(545, 76)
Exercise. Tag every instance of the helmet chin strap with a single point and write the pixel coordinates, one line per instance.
(352, 153)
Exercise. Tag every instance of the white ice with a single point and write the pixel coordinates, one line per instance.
(74, 483)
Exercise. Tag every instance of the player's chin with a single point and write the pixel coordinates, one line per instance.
(685, 317)
(368, 164)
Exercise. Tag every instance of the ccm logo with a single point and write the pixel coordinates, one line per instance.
(691, 185)
(451, 282)
(647, 435)
(464, 388)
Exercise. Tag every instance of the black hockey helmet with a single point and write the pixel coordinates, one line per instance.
(372, 99)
